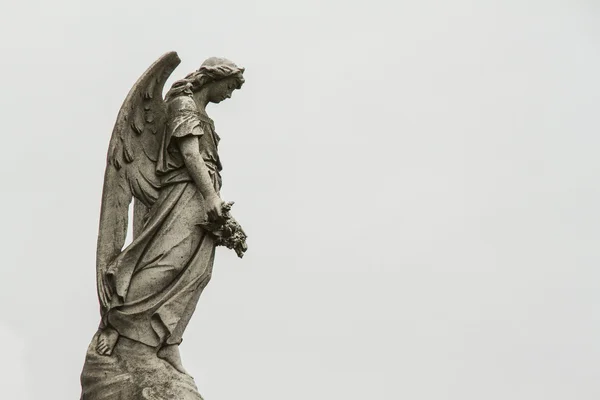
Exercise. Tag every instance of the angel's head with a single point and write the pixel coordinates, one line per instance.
(216, 78)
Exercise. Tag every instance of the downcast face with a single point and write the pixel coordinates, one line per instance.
(222, 89)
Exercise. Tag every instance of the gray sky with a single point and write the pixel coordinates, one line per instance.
(419, 181)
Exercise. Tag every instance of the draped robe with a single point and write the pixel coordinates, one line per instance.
(160, 276)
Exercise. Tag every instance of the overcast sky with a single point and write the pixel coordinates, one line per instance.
(419, 181)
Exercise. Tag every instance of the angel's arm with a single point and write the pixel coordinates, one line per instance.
(190, 150)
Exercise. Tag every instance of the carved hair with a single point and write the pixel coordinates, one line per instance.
(213, 69)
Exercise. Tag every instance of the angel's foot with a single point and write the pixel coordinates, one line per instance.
(106, 341)
(170, 353)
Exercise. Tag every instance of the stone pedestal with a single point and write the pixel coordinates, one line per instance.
(133, 372)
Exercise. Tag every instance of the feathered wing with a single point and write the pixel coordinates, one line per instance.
(131, 163)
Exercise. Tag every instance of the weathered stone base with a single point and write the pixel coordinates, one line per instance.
(133, 372)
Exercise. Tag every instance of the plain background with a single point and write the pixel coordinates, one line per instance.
(419, 181)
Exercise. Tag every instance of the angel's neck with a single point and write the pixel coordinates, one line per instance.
(201, 99)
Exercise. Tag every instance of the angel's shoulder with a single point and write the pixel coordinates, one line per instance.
(182, 104)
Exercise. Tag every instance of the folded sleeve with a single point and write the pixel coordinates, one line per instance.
(182, 120)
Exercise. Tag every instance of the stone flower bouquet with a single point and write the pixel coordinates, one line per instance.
(227, 231)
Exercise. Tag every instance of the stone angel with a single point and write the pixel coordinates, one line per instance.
(163, 155)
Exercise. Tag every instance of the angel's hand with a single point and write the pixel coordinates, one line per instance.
(214, 208)
(104, 289)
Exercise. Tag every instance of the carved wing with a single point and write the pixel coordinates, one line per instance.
(131, 161)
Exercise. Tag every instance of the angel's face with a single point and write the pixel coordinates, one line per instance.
(222, 89)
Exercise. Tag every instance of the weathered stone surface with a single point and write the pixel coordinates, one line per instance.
(133, 372)
(163, 155)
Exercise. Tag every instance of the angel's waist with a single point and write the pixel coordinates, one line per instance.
(181, 175)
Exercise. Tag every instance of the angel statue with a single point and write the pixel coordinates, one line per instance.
(163, 156)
